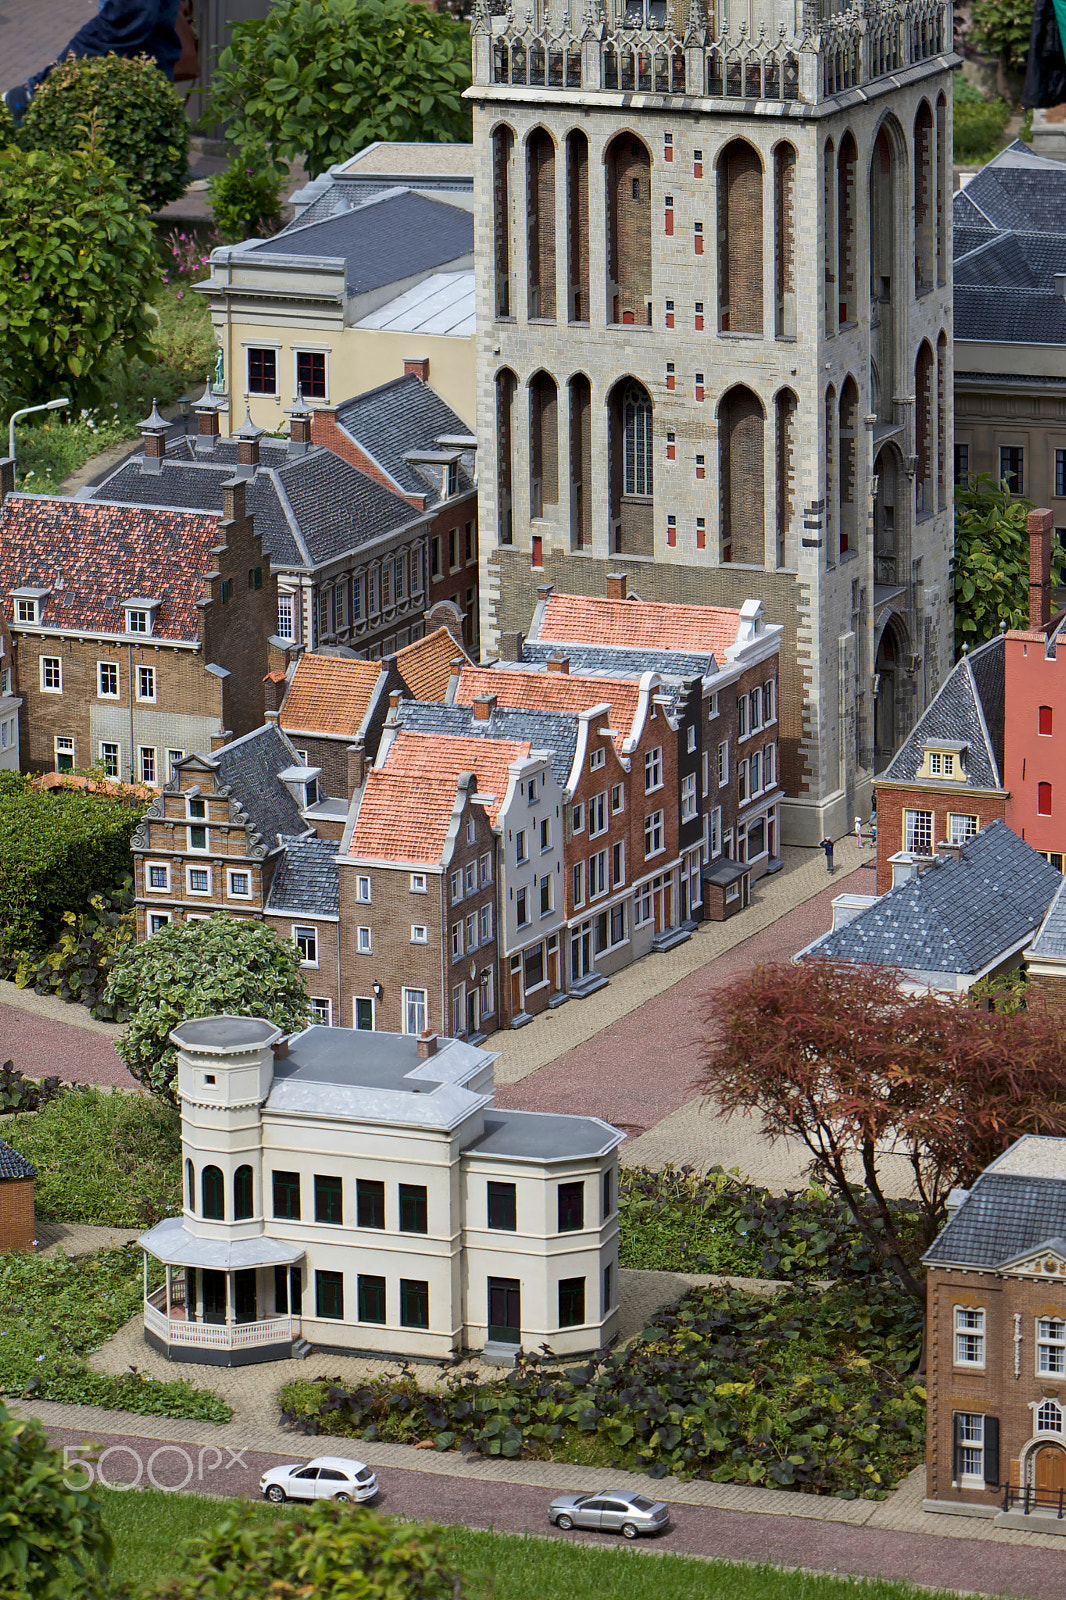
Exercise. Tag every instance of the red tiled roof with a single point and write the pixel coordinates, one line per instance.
(639, 624)
(328, 696)
(93, 557)
(552, 691)
(425, 666)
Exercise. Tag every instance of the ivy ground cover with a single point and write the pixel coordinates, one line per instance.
(805, 1391)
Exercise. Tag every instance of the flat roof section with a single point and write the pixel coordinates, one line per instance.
(543, 1136)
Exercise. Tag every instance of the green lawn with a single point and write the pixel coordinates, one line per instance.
(148, 1528)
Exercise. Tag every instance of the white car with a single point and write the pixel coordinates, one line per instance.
(324, 1478)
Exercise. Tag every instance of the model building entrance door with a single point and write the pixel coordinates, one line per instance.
(1049, 1474)
(214, 1291)
(505, 1310)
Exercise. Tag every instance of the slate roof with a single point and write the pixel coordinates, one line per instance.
(1005, 1215)
(94, 557)
(394, 235)
(603, 660)
(968, 707)
(957, 916)
(12, 1165)
(305, 878)
(425, 665)
(310, 509)
(552, 691)
(1051, 939)
(418, 755)
(328, 696)
(1009, 237)
(249, 768)
(1002, 315)
(401, 416)
(544, 730)
(641, 624)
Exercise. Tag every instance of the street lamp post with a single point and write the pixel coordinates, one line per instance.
(49, 405)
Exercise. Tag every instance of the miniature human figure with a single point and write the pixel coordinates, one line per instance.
(827, 846)
(120, 27)
(858, 832)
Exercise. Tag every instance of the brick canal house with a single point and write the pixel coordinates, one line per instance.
(714, 348)
(138, 633)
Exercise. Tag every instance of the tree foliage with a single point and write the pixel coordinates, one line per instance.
(838, 1056)
(1001, 29)
(323, 78)
(77, 265)
(246, 197)
(991, 565)
(345, 1552)
(129, 108)
(201, 969)
(50, 1534)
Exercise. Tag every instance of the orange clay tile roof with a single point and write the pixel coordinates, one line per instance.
(640, 624)
(407, 804)
(425, 666)
(552, 691)
(328, 696)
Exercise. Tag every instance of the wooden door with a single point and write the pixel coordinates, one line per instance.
(1049, 1472)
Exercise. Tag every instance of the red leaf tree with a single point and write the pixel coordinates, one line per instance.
(842, 1058)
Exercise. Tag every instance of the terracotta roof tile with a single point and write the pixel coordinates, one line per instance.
(94, 557)
(425, 665)
(328, 696)
(448, 756)
(640, 624)
(552, 691)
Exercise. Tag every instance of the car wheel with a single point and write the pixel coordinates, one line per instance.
(629, 1530)
(276, 1493)
(564, 1522)
(345, 1499)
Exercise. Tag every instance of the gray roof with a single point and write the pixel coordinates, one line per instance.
(305, 878)
(546, 730)
(310, 509)
(595, 660)
(1004, 1215)
(171, 1241)
(249, 768)
(1005, 315)
(543, 1136)
(968, 707)
(958, 917)
(1031, 197)
(1009, 237)
(392, 236)
(1051, 939)
(12, 1165)
(401, 416)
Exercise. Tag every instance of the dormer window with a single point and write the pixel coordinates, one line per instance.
(312, 792)
(136, 621)
(944, 761)
(452, 479)
(941, 764)
(140, 615)
(29, 605)
(25, 610)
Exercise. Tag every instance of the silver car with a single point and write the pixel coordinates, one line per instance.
(613, 1511)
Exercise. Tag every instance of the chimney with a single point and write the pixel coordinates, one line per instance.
(274, 685)
(154, 439)
(484, 706)
(1040, 524)
(427, 1045)
(455, 672)
(233, 502)
(247, 438)
(544, 590)
(511, 643)
(949, 848)
(616, 585)
(299, 430)
(417, 367)
(7, 477)
(356, 768)
(559, 664)
(395, 696)
(206, 421)
(220, 739)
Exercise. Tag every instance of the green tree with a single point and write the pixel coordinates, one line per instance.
(991, 565)
(201, 969)
(345, 1552)
(129, 108)
(77, 265)
(1001, 30)
(323, 78)
(246, 197)
(53, 1542)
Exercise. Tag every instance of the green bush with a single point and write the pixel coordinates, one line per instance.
(53, 1541)
(801, 1391)
(345, 1552)
(979, 125)
(1001, 29)
(990, 571)
(71, 236)
(76, 967)
(111, 1160)
(23, 1094)
(128, 108)
(322, 78)
(201, 969)
(246, 197)
(54, 1311)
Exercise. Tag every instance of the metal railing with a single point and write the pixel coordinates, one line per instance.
(219, 1335)
(1031, 1499)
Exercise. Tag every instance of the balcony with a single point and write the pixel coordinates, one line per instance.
(181, 1339)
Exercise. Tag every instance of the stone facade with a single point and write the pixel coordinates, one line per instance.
(713, 441)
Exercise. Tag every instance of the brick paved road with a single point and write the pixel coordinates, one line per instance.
(32, 35)
(40, 1047)
(1026, 1572)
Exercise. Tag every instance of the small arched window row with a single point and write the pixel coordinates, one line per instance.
(531, 61)
(243, 1194)
(752, 75)
(213, 1194)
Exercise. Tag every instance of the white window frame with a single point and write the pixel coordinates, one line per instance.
(151, 751)
(910, 831)
(286, 625)
(238, 894)
(716, 832)
(642, 905)
(755, 710)
(362, 889)
(321, 1011)
(969, 1325)
(261, 394)
(485, 868)
(598, 880)
(485, 922)
(577, 818)
(597, 758)
(972, 1448)
(742, 717)
(579, 883)
(597, 814)
(742, 783)
(1050, 1347)
(961, 826)
(117, 748)
(156, 888)
(521, 854)
(470, 930)
(654, 829)
(653, 769)
(364, 941)
(139, 621)
(618, 798)
(521, 910)
(457, 886)
(143, 674)
(157, 921)
(308, 350)
(199, 866)
(769, 766)
(419, 933)
(690, 739)
(173, 757)
(46, 664)
(418, 883)
(26, 611)
(64, 740)
(417, 998)
(305, 935)
(111, 668)
(688, 797)
(769, 699)
(723, 764)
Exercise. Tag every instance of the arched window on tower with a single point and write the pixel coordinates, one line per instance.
(847, 286)
(832, 485)
(829, 207)
(925, 200)
(577, 209)
(740, 265)
(883, 286)
(502, 147)
(941, 421)
(243, 1194)
(505, 392)
(925, 432)
(580, 463)
(848, 456)
(944, 179)
(740, 476)
(543, 444)
(540, 223)
(627, 169)
(631, 473)
(785, 408)
(213, 1191)
(190, 1184)
(785, 241)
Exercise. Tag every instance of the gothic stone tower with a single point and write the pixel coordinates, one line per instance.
(714, 331)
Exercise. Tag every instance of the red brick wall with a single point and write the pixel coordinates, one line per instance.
(740, 263)
(628, 170)
(16, 1214)
(540, 222)
(740, 432)
(987, 806)
(577, 181)
(460, 585)
(1030, 758)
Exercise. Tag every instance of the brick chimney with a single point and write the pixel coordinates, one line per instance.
(559, 664)
(616, 585)
(154, 439)
(455, 672)
(274, 685)
(427, 1045)
(511, 643)
(299, 430)
(484, 706)
(356, 768)
(234, 508)
(416, 366)
(206, 422)
(1040, 524)
(544, 590)
(247, 438)
(7, 477)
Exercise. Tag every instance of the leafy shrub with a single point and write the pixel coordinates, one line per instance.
(801, 1392)
(321, 78)
(201, 969)
(54, 1311)
(345, 1552)
(246, 197)
(49, 1532)
(1001, 29)
(991, 565)
(23, 1094)
(76, 967)
(130, 111)
(979, 123)
(111, 1160)
(71, 235)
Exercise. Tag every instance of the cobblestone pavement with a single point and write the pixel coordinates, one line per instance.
(80, 1239)
(44, 1037)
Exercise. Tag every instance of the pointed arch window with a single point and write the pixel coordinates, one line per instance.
(636, 412)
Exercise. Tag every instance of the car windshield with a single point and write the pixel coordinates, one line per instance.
(639, 1503)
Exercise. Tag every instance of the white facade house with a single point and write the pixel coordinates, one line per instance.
(359, 1192)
